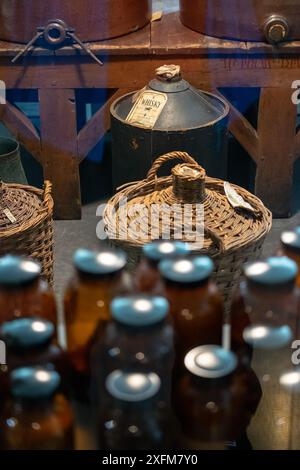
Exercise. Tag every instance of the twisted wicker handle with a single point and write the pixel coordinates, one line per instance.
(48, 201)
(167, 157)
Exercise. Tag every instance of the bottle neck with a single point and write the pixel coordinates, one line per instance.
(200, 286)
(33, 284)
(98, 278)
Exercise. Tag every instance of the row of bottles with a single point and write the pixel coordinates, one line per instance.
(148, 352)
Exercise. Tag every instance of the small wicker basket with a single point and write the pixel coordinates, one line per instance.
(232, 236)
(26, 226)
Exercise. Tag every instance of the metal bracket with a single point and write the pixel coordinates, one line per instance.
(55, 33)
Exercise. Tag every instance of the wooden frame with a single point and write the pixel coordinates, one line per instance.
(129, 63)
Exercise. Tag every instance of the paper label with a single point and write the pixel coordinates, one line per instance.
(236, 200)
(147, 109)
(9, 215)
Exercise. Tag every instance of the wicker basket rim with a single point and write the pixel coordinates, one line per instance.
(46, 209)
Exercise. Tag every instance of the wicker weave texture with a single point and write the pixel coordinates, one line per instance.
(32, 232)
(232, 237)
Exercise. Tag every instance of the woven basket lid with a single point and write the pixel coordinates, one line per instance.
(21, 207)
(229, 223)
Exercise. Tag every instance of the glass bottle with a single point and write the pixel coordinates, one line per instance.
(146, 278)
(133, 417)
(265, 312)
(36, 418)
(23, 292)
(87, 307)
(290, 242)
(211, 401)
(139, 339)
(31, 342)
(269, 301)
(196, 305)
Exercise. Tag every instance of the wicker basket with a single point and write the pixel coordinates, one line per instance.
(231, 236)
(26, 224)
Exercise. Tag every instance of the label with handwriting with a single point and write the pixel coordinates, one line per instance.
(147, 109)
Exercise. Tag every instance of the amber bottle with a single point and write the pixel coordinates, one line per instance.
(87, 307)
(212, 402)
(147, 278)
(23, 292)
(36, 418)
(133, 417)
(31, 342)
(290, 242)
(196, 305)
(139, 339)
(264, 314)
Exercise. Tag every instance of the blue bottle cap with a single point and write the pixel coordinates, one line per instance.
(132, 387)
(187, 270)
(291, 239)
(105, 261)
(15, 270)
(268, 337)
(26, 333)
(34, 382)
(210, 362)
(140, 310)
(161, 249)
(274, 271)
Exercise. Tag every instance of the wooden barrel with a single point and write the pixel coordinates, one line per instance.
(273, 21)
(93, 20)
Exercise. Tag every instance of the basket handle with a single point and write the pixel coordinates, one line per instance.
(167, 157)
(47, 193)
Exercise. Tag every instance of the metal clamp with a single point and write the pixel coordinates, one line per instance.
(55, 33)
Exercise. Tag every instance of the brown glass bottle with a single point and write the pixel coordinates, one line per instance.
(196, 305)
(31, 342)
(87, 307)
(213, 403)
(264, 314)
(147, 278)
(290, 242)
(132, 416)
(23, 292)
(139, 339)
(36, 418)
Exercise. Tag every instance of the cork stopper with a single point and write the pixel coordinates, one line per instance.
(189, 183)
(168, 73)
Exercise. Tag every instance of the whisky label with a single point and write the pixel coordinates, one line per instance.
(9, 215)
(236, 201)
(147, 109)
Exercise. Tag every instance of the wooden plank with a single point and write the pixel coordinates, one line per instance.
(59, 150)
(135, 71)
(22, 128)
(97, 126)
(242, 130)
(276, 130)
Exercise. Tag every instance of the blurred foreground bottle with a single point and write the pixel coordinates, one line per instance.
(196, 305)
(87, 308)
(265, 312)
(36, 418)
(212, 400)
(290, 242)
(23, 292)
(133, 417)
(147, 278)
(31, 342)
(139, 339)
